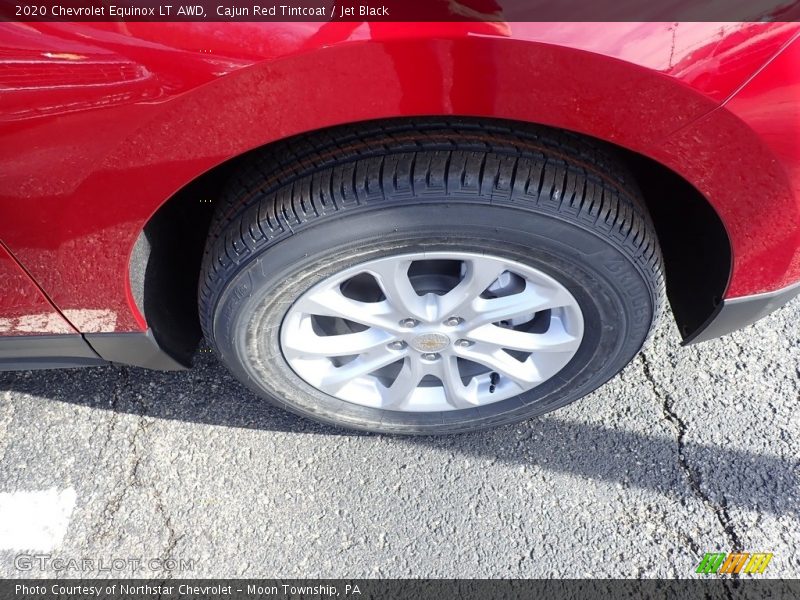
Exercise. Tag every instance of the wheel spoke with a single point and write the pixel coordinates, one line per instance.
(398, 394)
(523, 374)
(532, 299)
(480, 274)
(555, 339)
(393, 279)
(365, 364)
(456, 392)
(332, 303)
(309, 344)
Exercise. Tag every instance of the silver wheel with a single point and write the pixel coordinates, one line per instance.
(432, 331)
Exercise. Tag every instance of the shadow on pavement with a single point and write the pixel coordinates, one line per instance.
(207, 394)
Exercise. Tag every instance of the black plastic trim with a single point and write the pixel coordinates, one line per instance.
(737, 313)
(24, 352)
(135, 349)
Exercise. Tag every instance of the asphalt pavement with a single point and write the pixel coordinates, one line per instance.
(116, 471)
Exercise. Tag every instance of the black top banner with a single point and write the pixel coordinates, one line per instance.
(399, 10)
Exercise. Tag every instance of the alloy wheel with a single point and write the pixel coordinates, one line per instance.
(433, 331)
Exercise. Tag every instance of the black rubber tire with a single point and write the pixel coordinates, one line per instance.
(312, 206)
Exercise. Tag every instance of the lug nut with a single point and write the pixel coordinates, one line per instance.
(397, 345)
(409, 323)
(463, 343)
(430, 356)
(453, 321)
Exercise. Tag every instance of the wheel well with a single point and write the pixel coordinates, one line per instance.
(697, 252)
(165, 262)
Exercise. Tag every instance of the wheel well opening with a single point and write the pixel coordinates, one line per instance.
(166, 260)
(165, 263)
(694, 243)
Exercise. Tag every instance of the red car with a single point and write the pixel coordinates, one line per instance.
(399, 227)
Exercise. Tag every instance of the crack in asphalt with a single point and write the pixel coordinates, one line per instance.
(692, 476)
(132, 479)
(172, 537)
(111, 507)
(114, 416)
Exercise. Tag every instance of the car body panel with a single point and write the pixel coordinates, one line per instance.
(770, 105)
(24, 309)
(746, 161)
(88, 156)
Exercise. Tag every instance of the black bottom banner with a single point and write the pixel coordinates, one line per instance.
(411, 589)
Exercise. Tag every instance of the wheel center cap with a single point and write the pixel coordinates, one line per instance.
(430, 342)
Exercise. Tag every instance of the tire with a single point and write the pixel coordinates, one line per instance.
(552, 206)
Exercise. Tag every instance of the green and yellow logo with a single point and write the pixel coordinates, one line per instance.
(721, 563)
